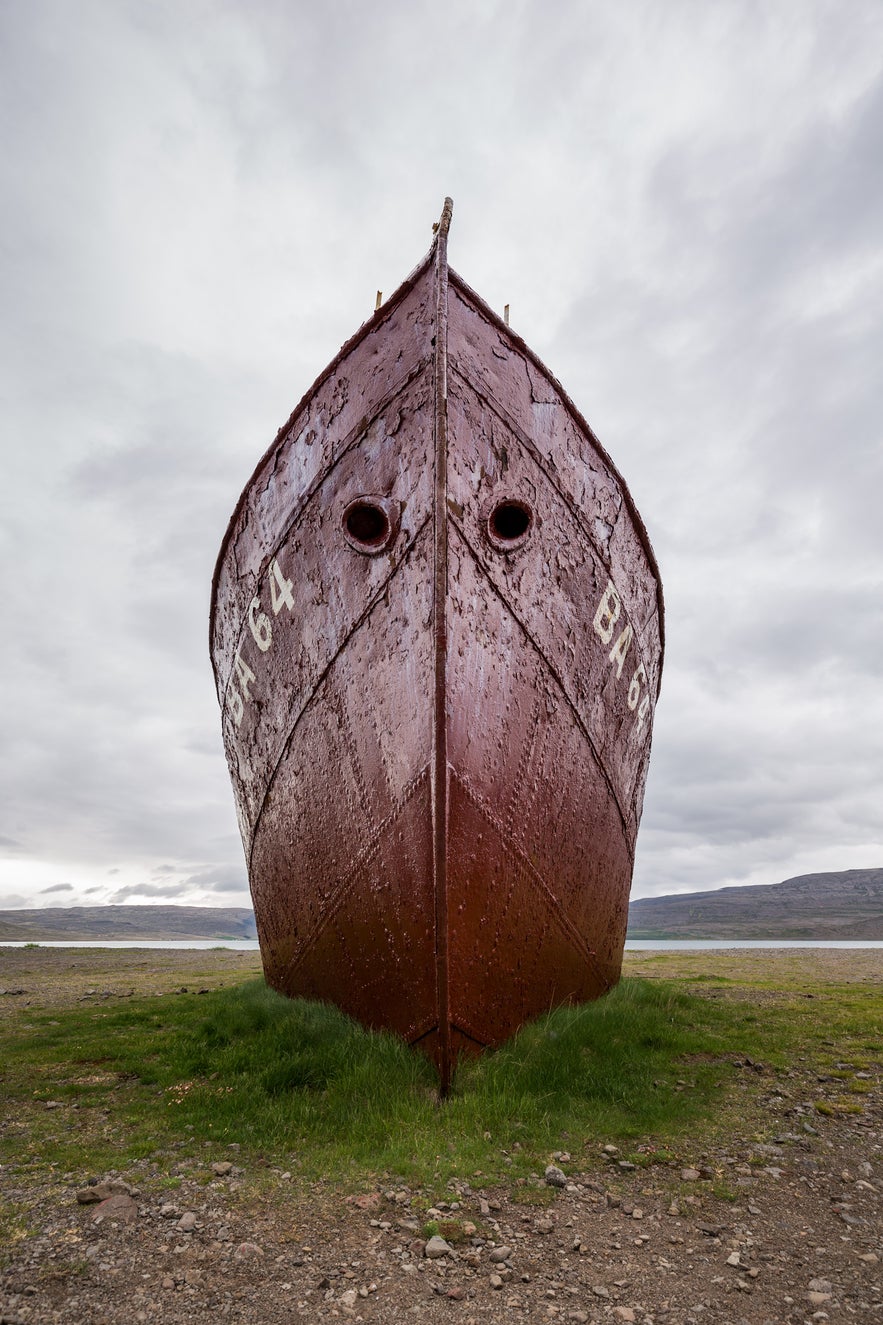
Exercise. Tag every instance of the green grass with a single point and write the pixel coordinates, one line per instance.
(299, 1085)
(534, 1196)
(13, 1223)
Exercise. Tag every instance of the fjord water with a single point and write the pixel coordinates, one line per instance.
(634, 945)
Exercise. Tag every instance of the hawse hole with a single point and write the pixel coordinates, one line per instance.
(370, 523)
(509, 523)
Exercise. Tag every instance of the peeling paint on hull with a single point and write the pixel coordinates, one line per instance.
(436, 630)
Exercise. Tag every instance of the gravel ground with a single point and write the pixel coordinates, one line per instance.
(784, 1230)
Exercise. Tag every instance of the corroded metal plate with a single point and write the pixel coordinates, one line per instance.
(436, 631)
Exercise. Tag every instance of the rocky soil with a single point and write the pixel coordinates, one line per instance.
(787, 1230)
(784, 1229)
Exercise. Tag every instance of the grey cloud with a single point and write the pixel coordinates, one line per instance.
(58, 888)
(16, 901)
(230, 878)
(198, 885)
(703, 271)
(165, 891)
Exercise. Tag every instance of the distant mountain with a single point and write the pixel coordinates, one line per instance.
(128, 922)
(845, 905)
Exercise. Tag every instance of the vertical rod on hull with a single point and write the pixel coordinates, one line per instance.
(439, 596)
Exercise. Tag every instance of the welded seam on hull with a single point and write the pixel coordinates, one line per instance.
(297, 516)
(332, 904)
(537, 783)
(440, 772)
(553, 673)
(455, 1026)
(349, 742)
(566, 924)
(317, 684)
(534, 727)
(549, 475)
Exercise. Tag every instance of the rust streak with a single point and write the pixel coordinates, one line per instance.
(369, 849)
(553, 673)
(527, 864)
(356, 625)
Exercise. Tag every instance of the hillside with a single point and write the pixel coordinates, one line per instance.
(128, 922)
(845, 905)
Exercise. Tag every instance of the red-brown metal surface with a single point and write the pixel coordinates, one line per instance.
(436, 631)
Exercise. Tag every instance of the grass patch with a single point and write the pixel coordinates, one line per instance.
(299, 1085)
(451, 1230)
(538, 1198)
(14, 1227)
(835, 1107)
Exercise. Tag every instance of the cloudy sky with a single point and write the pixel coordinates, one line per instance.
(683, 204)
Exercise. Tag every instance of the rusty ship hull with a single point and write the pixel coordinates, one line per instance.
(436, 631)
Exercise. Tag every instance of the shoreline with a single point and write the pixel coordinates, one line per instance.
(63, 975)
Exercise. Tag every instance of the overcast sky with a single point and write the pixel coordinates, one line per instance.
(683, 204)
